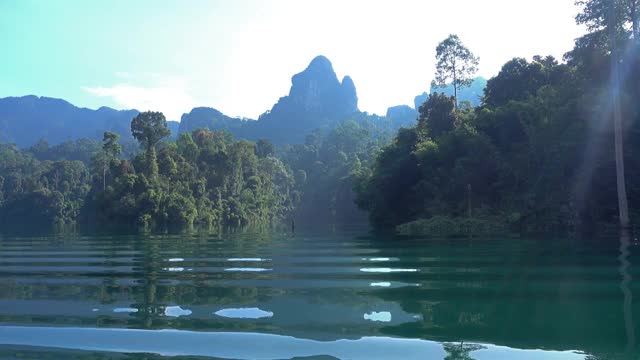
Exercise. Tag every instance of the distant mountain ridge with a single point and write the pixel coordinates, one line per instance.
(25, 120)
(206, 117)
(317, 99)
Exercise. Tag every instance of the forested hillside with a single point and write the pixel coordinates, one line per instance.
(537, 153)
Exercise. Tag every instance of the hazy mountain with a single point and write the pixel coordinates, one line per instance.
(317, 99)
(173, 126)
(25, 120)
(205, 117)
(473, 93)
(317, 92)
(402, 115)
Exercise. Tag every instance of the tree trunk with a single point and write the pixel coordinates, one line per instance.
(620, 179)
(152, 163)
(455, 86)
(614, 92)
(633, 13)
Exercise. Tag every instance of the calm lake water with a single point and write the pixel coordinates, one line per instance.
(348, 296)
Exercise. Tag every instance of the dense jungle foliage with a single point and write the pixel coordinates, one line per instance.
(536, 155)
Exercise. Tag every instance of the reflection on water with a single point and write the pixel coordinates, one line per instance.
(462, 351)
(176, 311)
(626, 290)
(267, 296)
(174, 269)
(247, 269)
(247, 259)
(386, 270)
(383, 316)
(259, 346)
(244, 313)
(122, 310)
(380, 259)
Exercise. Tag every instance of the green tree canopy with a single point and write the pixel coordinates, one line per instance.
(149, 128)
(264, 148)
(436, 115)
(110, 145)
(597, 15)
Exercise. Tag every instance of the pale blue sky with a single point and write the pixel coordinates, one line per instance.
(239, 55)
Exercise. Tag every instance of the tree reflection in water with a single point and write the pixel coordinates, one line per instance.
(626, 291)
(460, 351)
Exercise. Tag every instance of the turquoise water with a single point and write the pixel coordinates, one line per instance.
(346, 296)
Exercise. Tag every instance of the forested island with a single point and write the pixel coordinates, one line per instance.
(535, 151)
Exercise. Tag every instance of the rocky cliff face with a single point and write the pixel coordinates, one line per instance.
(317, 89)
(310, 87)
(316, 99)
(349, 95)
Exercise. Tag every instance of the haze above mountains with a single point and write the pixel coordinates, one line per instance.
(317, 100)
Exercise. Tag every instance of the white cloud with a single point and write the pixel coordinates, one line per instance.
(169, 95)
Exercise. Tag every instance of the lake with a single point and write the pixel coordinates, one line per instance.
(309, 296)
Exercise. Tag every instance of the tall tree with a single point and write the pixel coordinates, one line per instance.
(633, 11)
(597, 16)
(617, 116)
(612, 17)
(111, 150)
(149, 128)
(455, 65)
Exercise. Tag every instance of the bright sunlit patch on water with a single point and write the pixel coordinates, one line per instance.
(381, 284)
(248, 259)
(173, 269)
(383, 316)
(247, 269)
(380, 259)
(125, 310)
(386, 270)
(244, 313)
(176, 311)
(175, 259)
